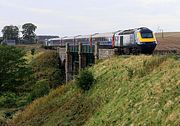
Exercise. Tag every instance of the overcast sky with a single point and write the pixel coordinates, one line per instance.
(72, 17)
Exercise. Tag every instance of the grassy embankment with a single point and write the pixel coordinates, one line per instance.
(44, 65)
(140, 90)
(22, 98)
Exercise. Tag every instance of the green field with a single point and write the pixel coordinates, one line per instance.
(139, 90)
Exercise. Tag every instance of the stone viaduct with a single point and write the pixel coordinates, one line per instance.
(75, 58)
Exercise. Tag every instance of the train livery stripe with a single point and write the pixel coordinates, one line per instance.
(113, 41)
(145, 39)
(91, 41)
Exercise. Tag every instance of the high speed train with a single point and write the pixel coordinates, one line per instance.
(138, 40)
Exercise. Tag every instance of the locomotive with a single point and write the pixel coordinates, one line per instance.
(138, 40)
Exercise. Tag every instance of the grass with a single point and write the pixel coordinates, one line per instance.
(139, 90)
(29, 57)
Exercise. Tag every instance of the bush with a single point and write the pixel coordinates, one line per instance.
(85, 79)
(41, 88)
(32, 51)
(57, 78)
(8, 100)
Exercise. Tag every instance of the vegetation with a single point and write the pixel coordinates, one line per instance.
(45, 66)
(40, 89)
(14, 71)
(29, 32)
(85, 79)
(25, 76)
(2, 123)
(10, 32)
(140, 90)
(8, 100)
(33, 51)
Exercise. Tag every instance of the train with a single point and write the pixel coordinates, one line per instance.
(131, 41)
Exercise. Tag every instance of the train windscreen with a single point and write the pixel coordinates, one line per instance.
(147, 35)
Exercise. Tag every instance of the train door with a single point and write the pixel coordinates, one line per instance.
(121, 41)
(116, 43)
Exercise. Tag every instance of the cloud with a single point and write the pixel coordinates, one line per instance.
(44, 11)
(38, 10)
(148, 2)
(80, 17)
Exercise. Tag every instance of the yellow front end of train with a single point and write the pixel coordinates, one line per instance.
(146, 37)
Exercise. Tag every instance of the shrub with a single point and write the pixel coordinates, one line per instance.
(8, 100)
(32, 51)
(41, 88)
(57, 78)
(85, 79)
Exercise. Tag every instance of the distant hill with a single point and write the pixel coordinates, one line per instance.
(140, 90)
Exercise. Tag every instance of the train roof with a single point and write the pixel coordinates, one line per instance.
(107, 34)
(68, 37)
(83, 36)
(144, 29)
(54, 39)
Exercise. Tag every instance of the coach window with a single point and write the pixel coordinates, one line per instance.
(117, 38)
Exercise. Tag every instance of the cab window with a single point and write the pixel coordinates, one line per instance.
(147, 35)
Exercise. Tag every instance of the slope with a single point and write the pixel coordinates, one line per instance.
(139, 90)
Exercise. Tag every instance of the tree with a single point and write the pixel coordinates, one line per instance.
(29, 32)
(10, 32)
(13, 68)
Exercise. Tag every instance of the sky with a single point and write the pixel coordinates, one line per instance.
(75, 17)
